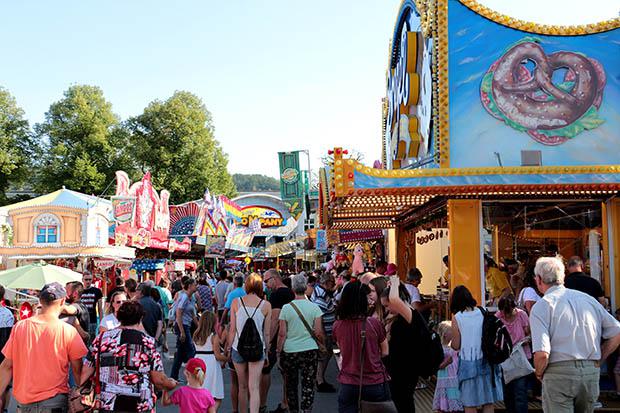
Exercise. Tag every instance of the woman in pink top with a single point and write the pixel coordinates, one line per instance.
(518, 325)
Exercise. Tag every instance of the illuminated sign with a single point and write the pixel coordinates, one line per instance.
(408, 104)
(267, 217)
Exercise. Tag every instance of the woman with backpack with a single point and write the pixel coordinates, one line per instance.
(480, 383)
(248, 341)
(299, 336)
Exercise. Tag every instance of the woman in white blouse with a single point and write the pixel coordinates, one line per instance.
(109, 322)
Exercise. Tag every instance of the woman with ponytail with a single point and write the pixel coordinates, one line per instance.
(192, 398)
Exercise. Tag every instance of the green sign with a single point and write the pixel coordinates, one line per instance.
(291, 184)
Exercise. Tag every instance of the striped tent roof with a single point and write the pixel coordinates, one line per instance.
(62, 197)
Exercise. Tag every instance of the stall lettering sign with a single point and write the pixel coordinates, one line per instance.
(104, 263)
(264, 222)
(124, 208)
(268, 217)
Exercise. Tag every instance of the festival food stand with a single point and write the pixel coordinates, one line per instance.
(501, 135)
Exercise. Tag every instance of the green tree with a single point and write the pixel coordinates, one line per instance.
(83, 143)
(255, 183)
(174, 140)
(17, 146)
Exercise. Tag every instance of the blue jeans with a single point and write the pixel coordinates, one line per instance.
(185, 350)
(347, 396)
(515, 395)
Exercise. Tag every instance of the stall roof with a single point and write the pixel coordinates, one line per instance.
(365, 197)
(62, 197)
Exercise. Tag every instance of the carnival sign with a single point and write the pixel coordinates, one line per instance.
(239, 238)
(124, 208)
(149, 223)
(321, 240)
(291, 187)
(104, 263)
(267, 217)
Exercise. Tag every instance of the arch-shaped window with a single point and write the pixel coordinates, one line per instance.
(46, 229)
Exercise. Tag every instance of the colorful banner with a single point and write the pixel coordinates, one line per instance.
(291, 183)
(239, 238)
(215, 216)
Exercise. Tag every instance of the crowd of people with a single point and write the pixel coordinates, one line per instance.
(254, 325)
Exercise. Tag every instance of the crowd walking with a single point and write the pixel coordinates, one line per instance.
(256, 325)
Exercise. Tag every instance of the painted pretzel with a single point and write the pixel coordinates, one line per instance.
(532, 100)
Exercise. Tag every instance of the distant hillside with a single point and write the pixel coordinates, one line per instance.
(255, 183)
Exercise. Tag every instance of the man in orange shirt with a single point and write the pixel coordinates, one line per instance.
(38, 355)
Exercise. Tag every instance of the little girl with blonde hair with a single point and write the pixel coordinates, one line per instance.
(447, 396)
(192, 398)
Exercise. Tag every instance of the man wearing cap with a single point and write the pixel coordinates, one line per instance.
(42, 340)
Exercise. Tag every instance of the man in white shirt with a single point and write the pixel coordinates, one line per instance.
(414, 278)
(567, 328)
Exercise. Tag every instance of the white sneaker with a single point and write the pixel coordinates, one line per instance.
(597, 405)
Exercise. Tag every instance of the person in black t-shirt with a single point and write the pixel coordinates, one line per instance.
(91, 298)
(577, 280)
(279, 296)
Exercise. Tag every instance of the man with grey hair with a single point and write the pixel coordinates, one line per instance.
(578, 280)
(567, 328)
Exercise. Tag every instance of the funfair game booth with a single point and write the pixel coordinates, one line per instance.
(502, 132)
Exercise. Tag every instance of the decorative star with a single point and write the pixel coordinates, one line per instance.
(25, 313)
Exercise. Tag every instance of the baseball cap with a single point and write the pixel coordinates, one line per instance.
(391, 269)
(52, 292)
(195, 363)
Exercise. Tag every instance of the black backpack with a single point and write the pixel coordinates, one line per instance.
(496, 341)
(250, 345)
(430, 346)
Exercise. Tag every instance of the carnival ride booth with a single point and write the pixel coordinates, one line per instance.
(503, 132)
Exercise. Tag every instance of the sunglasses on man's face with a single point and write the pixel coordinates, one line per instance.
(88, 279)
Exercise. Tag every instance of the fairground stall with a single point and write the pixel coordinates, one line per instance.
(500, 137)
(142, 221)
(65, 228)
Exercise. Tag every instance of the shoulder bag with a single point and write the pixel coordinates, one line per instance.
(386, 406)
(322, 348)
(83, 399)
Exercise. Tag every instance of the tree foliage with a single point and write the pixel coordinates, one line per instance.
(174, 140)
(83, 143)
(16, 145)
(255, 183)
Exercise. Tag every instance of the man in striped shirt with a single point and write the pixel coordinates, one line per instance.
(323, 296)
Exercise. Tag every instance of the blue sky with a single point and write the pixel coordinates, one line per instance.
(277, 75)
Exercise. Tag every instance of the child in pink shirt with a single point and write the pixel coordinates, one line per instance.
(192, 398)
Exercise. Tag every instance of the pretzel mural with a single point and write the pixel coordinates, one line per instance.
(551, 113)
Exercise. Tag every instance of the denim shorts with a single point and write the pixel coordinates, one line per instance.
(236, 357)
